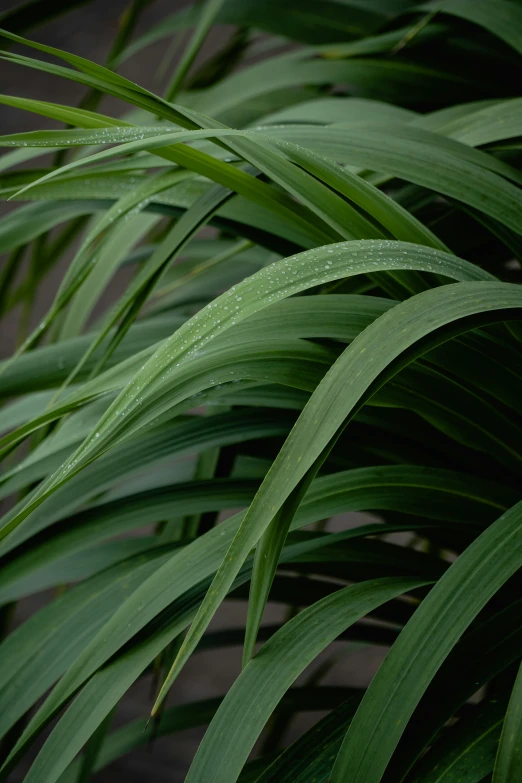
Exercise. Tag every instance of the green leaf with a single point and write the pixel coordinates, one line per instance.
(446, 168)
(239, 721)
(451, 497)
(389, 339)
(491, 646)
(508, 764)
(468, 752)
(424, 644)
(191, 581)
(137, 733)
(141, 397)
(207, 15)
(169, 440)
(313, 754)
(477, 123)
(32, 220)
(35, 12)
(213, 367)
(505, 20)
(36, 654)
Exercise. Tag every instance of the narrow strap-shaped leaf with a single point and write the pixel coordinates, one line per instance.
(127, 309)
(35, 12)
(271, 284)
(103, 690)
(197, 160)
(477, 123)
(365, 489)
(110, 254)
(30, 221)
(390, 79)
(331, 22)
(267, 555)
(130, 303)
(313, 754)
(159, 443)
(426, 400)
(99, 697)
(240, 719)
(136, 733)
(394, 336)
(397, 220)
(449, 496)
(39, 650)
(466, 753)
(429, 160)
(439, 163)
(485, 651)
(123, 210)
(199, 713)
(508, 764)
(125, 515)
(57, 111)
(92, 749)
(75, 137)
(208, 13)
(346, 221)
(503, 19)
(105, 79)
(423, 646)
(139, 142)
(346, 143)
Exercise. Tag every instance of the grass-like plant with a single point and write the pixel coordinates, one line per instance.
(322, 228)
